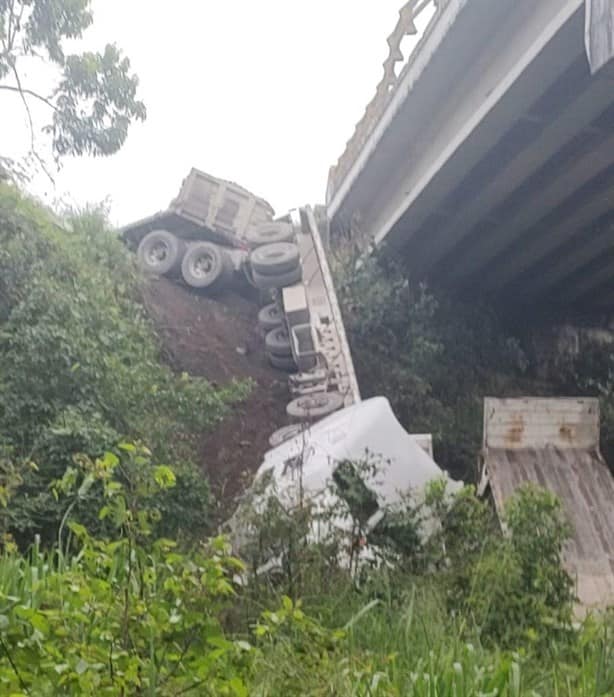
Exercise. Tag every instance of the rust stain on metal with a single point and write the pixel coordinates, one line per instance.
(567, 433)
(513, 435)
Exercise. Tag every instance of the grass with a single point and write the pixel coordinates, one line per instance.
(405, 643)
(394, 637)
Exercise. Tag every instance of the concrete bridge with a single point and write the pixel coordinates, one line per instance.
(486, 159)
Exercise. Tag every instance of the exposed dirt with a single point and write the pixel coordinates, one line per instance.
(218, 338)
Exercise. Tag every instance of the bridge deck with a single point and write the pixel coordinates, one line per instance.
(494, 174)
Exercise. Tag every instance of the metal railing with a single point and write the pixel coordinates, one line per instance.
(386, 88)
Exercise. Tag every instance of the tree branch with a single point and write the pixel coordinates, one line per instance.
(30, 93)
(25, 103)
(31, 123)
(10, 38)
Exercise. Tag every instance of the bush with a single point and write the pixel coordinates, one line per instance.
(124, 614)
(434, 358)
(81, 363)
(468, 611)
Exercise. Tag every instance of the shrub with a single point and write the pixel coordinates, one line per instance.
(125, 614)
(81, 363)
(519, 590)
(434, 358)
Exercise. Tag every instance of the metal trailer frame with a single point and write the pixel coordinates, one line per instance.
(206, 208)
(315, 324)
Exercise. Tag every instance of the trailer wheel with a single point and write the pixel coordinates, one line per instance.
(204, 265)
(286, 433)
(270, 317)
(315, 406)
(160, 253)
(268, 233)
(275, 259)
(269, 281)
(277, 342)
(285, 363)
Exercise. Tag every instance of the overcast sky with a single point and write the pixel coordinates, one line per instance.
(264, 93)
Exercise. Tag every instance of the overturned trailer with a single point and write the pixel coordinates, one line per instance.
(321, 468)
(214, 233)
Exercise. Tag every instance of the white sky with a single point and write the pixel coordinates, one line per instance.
(264, 93)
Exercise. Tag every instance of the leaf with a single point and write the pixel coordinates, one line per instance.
(127, 447)
(77, 529)
(81, 667)
(164, 477)
(238, 687)
(86, 485)
(104, 512)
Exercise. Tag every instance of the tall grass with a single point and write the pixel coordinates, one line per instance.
(397, 639)
(405, 643)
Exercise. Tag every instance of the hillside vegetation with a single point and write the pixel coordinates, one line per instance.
(437, 357)
(81, 370)
(110, 581)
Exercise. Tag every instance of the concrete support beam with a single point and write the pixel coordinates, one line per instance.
(574, 293)
(547, 239)
(515, 86)
(561, 267)
(555, 136)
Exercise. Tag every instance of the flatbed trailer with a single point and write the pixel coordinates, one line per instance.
(554, 444)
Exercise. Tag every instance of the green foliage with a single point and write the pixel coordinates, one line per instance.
(466, 611)
(433, 358)
(96, 97)
(511, 590)
(82, 370)
(126, 614)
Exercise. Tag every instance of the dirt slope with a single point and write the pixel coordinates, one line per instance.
(218, 338)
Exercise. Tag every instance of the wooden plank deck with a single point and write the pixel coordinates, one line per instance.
(567, 462)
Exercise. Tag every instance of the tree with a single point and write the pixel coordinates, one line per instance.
(95, 98)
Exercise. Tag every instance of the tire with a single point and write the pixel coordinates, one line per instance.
(205, 265)
(275, 259)
(277, 342)
(268, 233)
(285, 363)
(286, 433)
(270, 317)
(267, 282)
(315, 406)
(160, 253)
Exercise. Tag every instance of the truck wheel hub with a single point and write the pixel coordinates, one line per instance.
(158, 253)
(203, 266)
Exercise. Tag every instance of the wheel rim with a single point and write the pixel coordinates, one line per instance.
(313, 402)
(282, 337)
(286, 433)
(202, 265)
(157, 253)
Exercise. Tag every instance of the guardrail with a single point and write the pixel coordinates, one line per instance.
(386, 88)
